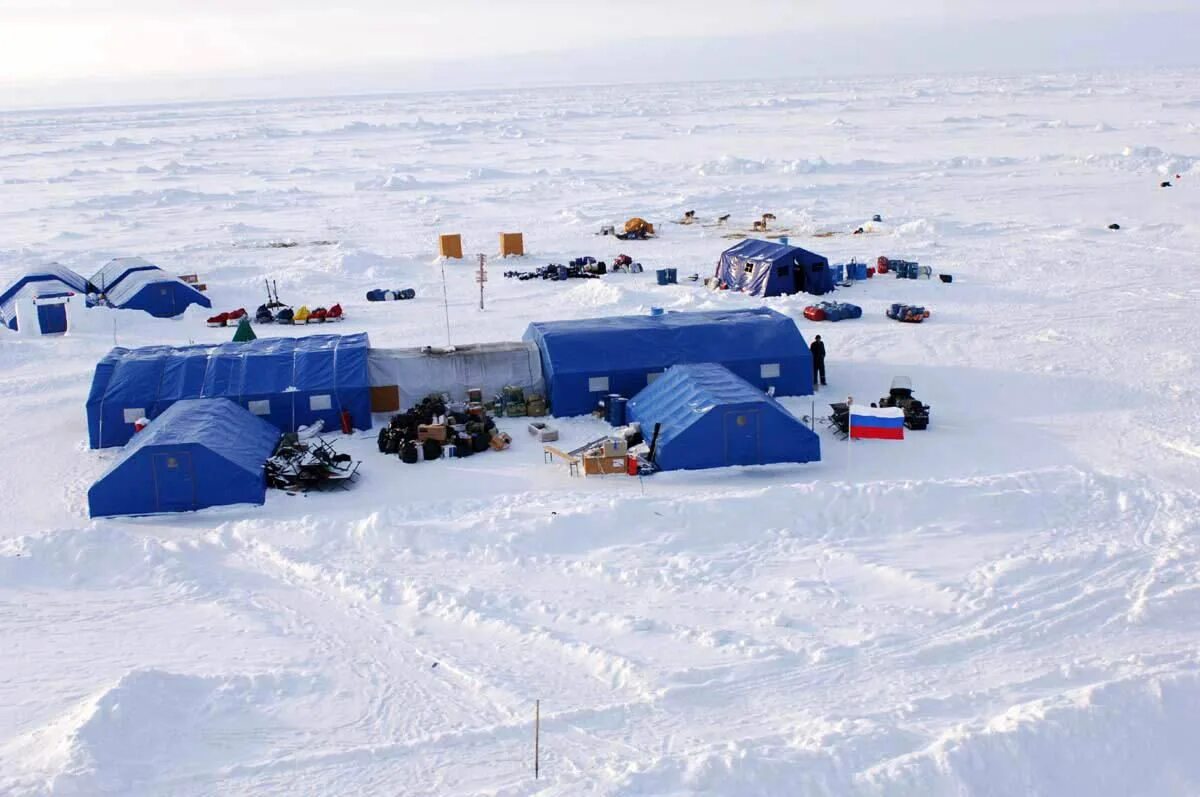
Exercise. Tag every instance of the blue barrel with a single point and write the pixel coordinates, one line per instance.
(564, 273)
(656, 311)
(839, 273)
(860, 271)
(662, 276)
(616, 410)
(673, 276)
(783, 239)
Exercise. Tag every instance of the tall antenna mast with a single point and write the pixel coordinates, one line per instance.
(446, 303)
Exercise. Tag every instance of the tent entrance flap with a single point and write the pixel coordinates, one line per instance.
(52, 318)
(174, 487)
(742, 437)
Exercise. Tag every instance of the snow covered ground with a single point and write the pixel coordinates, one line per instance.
(1006, 604)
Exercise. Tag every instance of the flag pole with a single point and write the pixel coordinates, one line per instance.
(849, 429)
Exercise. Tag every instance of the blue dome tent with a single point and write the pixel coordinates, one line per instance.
(197, 454)
(711, 418)
(585, 360)
(288, 382)
(46, 281)
(765, 268)
(131, 283)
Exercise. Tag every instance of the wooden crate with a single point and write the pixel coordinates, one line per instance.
(593, 466)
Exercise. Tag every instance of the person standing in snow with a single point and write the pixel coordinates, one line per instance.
(818, 357)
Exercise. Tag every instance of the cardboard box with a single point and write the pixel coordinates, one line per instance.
(431, 432)
(615, 447)
(450, 245)
(512, 243)
(597, 466)
(535, 407)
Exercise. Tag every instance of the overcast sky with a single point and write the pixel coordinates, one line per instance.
(65, 41)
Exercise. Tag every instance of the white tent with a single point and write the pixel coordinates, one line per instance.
(416, 373)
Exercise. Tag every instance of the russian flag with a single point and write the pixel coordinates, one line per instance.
(876, 423)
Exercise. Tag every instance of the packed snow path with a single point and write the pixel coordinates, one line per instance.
(1004, 604)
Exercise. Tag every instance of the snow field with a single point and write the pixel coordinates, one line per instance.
(1004, 604)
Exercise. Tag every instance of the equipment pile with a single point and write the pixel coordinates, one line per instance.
(832, 311)
(381, 295)
(579, 268)
(224, 319)
(910, 314)
(305, 464)
(276, 312)
(435, 428)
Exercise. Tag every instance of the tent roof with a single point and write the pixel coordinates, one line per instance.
(121, 278)
(755, 249)
(49, 279)
(221, 426)
(686, 393)
(594, 345)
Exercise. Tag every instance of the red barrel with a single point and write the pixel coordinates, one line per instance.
(631, 465)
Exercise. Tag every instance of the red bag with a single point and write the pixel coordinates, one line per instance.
(813, 313)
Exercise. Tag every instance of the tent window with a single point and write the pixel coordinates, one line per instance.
(768, 370)
(749, 268)
(650, 377)
(598, 384)
(782, 271)
(134, 414)
(260, 407)
(321, 402)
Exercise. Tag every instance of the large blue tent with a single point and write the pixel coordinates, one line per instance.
(288, 382)
(585, 360)
(766, 268)
(199, 453)
(711, 418)
(44, 281)
(132, 283)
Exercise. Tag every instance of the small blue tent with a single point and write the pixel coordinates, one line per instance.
(46, 281)
(132, 283)
(585, 360)
(765, 268)
(199, 453)
(711, 418)
(288, 382)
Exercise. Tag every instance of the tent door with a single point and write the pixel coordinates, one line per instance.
(173, 485)
(798, 278)
(741, 438)
(52, 318)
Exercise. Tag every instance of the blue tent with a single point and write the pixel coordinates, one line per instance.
(46, 281)
(132, 283)
(199, 453)
(288, 382)
(712, 418)
(583, 361)
(765, 268)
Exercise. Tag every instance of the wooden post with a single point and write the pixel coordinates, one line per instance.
(481, 278)
(537, 732)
